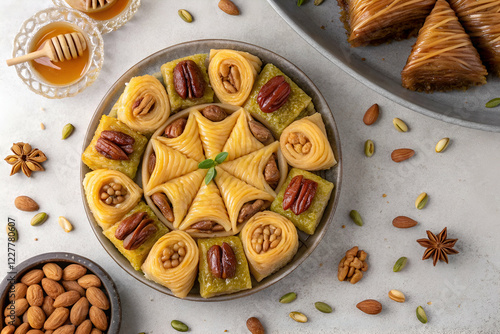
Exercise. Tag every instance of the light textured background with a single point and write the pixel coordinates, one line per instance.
(463, 185)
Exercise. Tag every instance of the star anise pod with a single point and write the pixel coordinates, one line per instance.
(25, 158)
(439, 247)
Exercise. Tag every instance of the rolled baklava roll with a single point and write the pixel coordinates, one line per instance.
(305, 145)
(110, 195)
(270, 241)
(143, 105)
(232, 74)
(173, 262)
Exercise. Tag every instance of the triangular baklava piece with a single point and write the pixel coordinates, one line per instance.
(372, 22)
(443, 58)
(481, 19)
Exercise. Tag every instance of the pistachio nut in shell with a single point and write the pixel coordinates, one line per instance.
(442, 145)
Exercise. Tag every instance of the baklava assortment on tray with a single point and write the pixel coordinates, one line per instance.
(444, 56)
(218, 201)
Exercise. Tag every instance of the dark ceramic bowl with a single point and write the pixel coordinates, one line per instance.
(64, 259)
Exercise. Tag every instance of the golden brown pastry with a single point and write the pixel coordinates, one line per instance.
(173, 262)
(443, 57)
(237, 194)
(188, 142)
(169, 164)
(270, 241)
(213, 135)
(232, 74)
(255, 170)
(180, 193)
(241, 141)
(207, 215)
(110, 195)
(375, 22)
(481, 21)
(143, 105)
(304, 144)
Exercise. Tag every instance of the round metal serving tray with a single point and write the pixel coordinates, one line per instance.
(379, 67)
(151, 65)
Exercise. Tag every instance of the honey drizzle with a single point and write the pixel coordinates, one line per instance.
(113, 10)
(71, 70)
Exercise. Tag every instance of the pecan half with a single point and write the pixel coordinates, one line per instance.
(135, 239)
(143, 105)
(273, 94)
(151, 163)
(222, 261)
(117, 137)
(306, 196)
(271, 172)
(214, 258)
(188, 80)
(292, 191)
(129, 224)
(214, 113)
(110, 150)
(228, 261)
(176, 128)
(261, 133)
(203, 225)
(249, 209)
(161, 201)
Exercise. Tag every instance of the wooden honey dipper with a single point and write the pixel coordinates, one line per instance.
(90, 6)
(59, 48)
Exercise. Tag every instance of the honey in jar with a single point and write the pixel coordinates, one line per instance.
(63, 72)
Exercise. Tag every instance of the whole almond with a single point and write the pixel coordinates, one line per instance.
(67, 299)
(25, 203)
(57, 318)
(36, 317)
(228, 7)
(35, 331)
(79, 311)
(73, 285)
(370, 306)
(97, 298)
(16, 321)
(98, 318)
(52, 271)
(66, 329)
(25, 316)
(19, 306)
(23, 329)
(32, 277)
(52, 288)
(48, 305)
(73, 272)
(9, 329)
(371, 115)
(89, 280)
(403, 222)
(84, 328)
(255, 326)
(96, 331)
(402, 154)
(34, 295)
(18, 291)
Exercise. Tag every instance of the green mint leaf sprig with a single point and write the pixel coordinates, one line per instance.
(210, 164)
